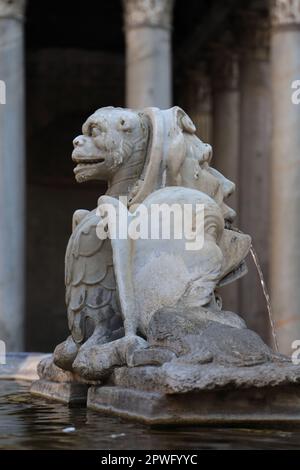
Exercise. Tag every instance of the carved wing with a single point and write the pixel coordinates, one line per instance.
(89, 276)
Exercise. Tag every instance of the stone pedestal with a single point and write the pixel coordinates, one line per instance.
(12, 176)
(265, 406)
(285, 228)
(177, 393)
(148, 53)
(72, 394)
(202, 395)
(59, 385)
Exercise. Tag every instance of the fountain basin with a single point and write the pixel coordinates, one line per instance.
(28, 422)
(191, 395)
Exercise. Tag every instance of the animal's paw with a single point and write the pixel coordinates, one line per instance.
(132, 344)
(151, 356)
(65, 354)
(48, 370)
(97, 362)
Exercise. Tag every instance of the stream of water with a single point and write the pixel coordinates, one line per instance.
(265, 291)
(266, 295)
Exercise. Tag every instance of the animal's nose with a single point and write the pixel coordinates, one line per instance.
(78, 141)
(228, 188)
(229, 214)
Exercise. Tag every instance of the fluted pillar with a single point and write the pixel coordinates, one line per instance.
(254, 180)
(197, 99)
(12, 175)
(285, 228)
(226, 128)
(226, 114)
(148, 52)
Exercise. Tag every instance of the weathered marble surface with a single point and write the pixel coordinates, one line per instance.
(72, 394)
(174, 378)
(272, 406)
(144, 314)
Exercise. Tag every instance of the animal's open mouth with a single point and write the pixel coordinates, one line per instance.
(82, 164)
(88, 161)
(236, 273)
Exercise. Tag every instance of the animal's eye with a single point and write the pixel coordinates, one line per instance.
(216, 191)
(211, 230)
(124, 125)
(95, 131)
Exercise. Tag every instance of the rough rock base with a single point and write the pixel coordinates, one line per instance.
(72, 394)
(253, 406)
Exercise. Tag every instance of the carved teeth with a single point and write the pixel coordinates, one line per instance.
(90, 162)
(81, 165)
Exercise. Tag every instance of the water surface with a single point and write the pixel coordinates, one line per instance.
(32, 423)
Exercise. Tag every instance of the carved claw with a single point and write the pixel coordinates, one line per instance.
(132, 344)
(65, 353)
(98, 361)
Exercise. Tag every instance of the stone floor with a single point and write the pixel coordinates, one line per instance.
(21, 366)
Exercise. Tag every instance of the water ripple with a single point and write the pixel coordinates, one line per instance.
(33, 423)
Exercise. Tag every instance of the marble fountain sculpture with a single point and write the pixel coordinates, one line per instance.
(149, 339)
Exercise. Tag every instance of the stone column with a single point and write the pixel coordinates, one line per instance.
(285, 228)
(226, 114)
(255, 140)
(12, 175)
(226, 133)
(197, 100)
(148, 53)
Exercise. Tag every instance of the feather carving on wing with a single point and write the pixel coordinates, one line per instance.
(89, 273)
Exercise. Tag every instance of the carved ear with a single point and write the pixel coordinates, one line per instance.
(166, 151)
(183, 121)
(181, 124)
(152, 175)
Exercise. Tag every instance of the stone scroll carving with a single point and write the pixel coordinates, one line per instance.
(285, 12)
(12, 9)
(155, 13)
(134, 303)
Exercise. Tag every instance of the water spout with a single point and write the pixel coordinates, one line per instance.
(266, 294)
(264, 289)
